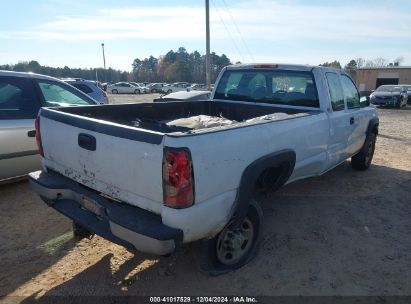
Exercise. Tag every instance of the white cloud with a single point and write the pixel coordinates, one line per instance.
(265, 20)
(310, 33)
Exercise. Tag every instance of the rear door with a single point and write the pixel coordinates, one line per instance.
(19, 106)
(126, 88)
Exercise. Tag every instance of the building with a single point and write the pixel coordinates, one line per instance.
(369, 79)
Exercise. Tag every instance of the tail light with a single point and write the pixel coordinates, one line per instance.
(266, 66)
(38, 136)
(178, 178)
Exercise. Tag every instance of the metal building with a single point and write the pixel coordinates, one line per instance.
(369, 79)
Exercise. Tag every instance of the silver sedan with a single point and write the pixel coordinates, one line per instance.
(21, 97)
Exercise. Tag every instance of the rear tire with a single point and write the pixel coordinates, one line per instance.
(234, 248)
(79, 232)
(137, 92)
(362, 160)
(114, 91)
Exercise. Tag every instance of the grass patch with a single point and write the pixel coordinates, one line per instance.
(52, 246)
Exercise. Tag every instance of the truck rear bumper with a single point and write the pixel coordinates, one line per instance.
(118, 222)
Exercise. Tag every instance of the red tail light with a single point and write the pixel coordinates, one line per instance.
(178, 178)
(266, 66)
(38, 136)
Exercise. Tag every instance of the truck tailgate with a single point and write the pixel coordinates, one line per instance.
(121, 167)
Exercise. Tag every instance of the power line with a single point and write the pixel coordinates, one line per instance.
(229, 33)
(238, 31)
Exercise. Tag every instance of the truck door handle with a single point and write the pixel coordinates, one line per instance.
(31, 133)
(87, 142)
(351, 120)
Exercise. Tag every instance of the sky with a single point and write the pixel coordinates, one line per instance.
(69, 32)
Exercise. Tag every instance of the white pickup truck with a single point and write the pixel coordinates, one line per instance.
(156, 175)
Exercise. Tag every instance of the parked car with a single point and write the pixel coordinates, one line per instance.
(198, 86)
(407, 87)
(142, 88)
(389, 95)
(156, 87)
(89, 87)
(164, 174)
(123, 88)
(184, 96)
(21, 96)
(176, 87)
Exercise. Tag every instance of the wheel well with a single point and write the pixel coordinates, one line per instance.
(272, 170)
(373, 126)
(268, 180)
(375, 129)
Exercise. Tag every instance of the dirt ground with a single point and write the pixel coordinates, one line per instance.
(345, 233)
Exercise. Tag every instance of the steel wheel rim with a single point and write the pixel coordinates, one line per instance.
(232, 246)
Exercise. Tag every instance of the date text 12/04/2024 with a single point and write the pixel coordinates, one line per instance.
(199, 299)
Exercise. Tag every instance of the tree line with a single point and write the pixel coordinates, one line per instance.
(178, 66)
(172, 67)
(66, 72)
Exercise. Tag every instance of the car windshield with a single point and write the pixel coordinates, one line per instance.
(268, 86)
(391, 89)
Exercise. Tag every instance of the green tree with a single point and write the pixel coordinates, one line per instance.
(351, 68)
(334, 64)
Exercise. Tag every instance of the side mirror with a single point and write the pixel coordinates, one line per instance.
(365, 101)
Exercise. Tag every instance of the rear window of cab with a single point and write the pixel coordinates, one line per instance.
(294, 88)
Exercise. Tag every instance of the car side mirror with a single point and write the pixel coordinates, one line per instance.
(365, 101)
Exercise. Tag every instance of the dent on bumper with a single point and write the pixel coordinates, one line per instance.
(120, 223)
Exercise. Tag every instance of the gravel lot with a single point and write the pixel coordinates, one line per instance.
(345, 233)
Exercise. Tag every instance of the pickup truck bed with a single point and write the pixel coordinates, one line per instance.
(153, 116)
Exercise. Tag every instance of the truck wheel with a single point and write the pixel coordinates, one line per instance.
(362, 160)
(234, 248)
(79, 232)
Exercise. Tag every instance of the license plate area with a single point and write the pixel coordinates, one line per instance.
(92, 206)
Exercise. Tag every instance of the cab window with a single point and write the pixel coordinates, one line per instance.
(292, 88)
(350, 92)
(336, 92)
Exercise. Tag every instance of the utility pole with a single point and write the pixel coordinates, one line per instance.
(104, 60)
(208, 67)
